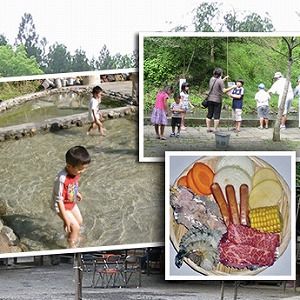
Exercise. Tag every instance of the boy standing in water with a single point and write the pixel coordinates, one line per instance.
(94, 113)
(65, 192)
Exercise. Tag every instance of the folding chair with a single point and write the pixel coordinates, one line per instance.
(109, 270)
(132, 265)
(87, 260)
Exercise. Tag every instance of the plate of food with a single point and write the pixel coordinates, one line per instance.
(229, 215)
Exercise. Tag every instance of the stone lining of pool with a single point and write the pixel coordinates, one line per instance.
(16, 132)
(126, 98)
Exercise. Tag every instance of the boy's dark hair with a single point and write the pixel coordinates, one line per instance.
(240, 80)
(97, 89)
(77, 156)
(176, 96)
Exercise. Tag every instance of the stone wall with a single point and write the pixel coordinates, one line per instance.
(126, 98)
(8, 240)
(30, 129)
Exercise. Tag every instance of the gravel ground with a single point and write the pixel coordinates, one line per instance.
(58, 282)
(196, 139)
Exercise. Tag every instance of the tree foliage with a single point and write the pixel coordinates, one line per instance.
(28, 37)
(211, 17)
(3, 40)
(59, 59)
(106, 61)
(16, 63)
(31, 51)
(194, 59)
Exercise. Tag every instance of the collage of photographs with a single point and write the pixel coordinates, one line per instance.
(153, 159)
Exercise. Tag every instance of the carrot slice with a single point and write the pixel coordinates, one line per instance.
(182, 181)
(203, 177)
(191, 184)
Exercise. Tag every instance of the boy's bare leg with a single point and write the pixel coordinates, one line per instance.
(91, 127)
(75, 227)
(100, 128)
(267, 123)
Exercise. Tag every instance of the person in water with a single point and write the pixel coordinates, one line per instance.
(94, 113)
(65, 192)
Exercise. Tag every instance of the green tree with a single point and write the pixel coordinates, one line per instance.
(28, 37)
(16, 63)
(59, 59)
(104, 61)
(206, 13)
(3, 40)
(255, 23)
(80, 61)
(288, 48)
(211, 17)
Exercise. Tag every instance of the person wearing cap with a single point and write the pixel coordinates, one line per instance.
(297, 91)
(262, 99)
(278, 88)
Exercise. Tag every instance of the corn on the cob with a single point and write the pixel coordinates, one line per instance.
(267, 218)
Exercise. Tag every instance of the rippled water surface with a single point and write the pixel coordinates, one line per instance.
(122, 202)
(52, 106)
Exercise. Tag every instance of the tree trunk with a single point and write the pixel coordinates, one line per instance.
(276, 132)
(212, 50)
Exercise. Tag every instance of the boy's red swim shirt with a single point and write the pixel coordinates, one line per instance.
(66, 189)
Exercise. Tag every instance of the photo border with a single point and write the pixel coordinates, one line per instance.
(143, 35)
(198, 276)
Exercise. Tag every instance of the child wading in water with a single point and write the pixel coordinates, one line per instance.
(184, 94)
(94, 113)
(65, 192)
(177, 109)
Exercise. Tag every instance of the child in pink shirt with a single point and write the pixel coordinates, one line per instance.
(160, 112)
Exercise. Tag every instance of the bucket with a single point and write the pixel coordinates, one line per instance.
(70, 81)
(57, 82)
(64, 82)
(222, 139)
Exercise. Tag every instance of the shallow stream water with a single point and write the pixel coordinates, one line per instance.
(122, 202)
(52, 106)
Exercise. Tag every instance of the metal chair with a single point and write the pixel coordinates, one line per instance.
(132, 266)
(108, 269)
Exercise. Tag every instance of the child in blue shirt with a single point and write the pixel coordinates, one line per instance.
(237, 95)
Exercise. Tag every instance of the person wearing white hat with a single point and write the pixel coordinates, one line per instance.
(297, 91)
(262, 99)
(278, 88)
